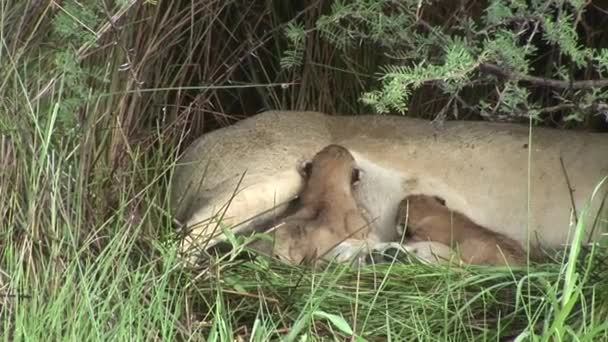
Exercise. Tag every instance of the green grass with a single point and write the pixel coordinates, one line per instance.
(87, 247)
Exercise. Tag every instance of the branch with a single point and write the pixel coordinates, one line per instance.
(85, 50)
(546, 82)
(559, 107)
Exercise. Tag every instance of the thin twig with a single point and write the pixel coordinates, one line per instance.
(557, 108)
(541, 81)
(570, 190)
(84, 51)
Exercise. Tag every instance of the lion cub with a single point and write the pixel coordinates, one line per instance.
(326, 213)
(427, 218)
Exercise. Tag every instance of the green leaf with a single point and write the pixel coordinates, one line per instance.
(338, 321)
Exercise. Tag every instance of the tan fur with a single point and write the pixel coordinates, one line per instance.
(480, 168)
(425, 218)
(327, 213)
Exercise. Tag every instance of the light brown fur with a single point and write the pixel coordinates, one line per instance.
(327, 213)
(427, 218)
(248, 172)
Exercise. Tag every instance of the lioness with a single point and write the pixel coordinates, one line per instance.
(326, 214)
(494, 173)
(424, 218)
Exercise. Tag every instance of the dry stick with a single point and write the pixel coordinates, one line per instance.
(570, 190)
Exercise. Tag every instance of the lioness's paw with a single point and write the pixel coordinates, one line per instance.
(347, 251)
(387, 252)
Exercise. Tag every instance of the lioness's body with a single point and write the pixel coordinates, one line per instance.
(326, 214)
(481, 169)
(425, 218)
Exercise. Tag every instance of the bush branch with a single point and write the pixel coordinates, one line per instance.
(546, 82)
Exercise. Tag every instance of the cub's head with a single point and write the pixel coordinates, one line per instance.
(415, 208)
(334, 164)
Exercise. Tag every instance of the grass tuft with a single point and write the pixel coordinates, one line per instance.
(98, 99)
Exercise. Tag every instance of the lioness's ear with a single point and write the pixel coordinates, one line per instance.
(356, 176)
(305, 169)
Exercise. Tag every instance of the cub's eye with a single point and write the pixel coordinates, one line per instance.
(355, 176)
(440, 200)
(305, 169)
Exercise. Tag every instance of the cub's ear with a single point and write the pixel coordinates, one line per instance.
(356, 176)
(440, 200)
(305, 169)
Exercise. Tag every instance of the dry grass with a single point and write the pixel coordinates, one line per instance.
(97, 102)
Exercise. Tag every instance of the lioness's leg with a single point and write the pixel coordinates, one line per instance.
(239, 205)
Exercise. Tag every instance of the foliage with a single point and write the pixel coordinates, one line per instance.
(524, 59)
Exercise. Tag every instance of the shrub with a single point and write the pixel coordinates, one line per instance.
(500, 60)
